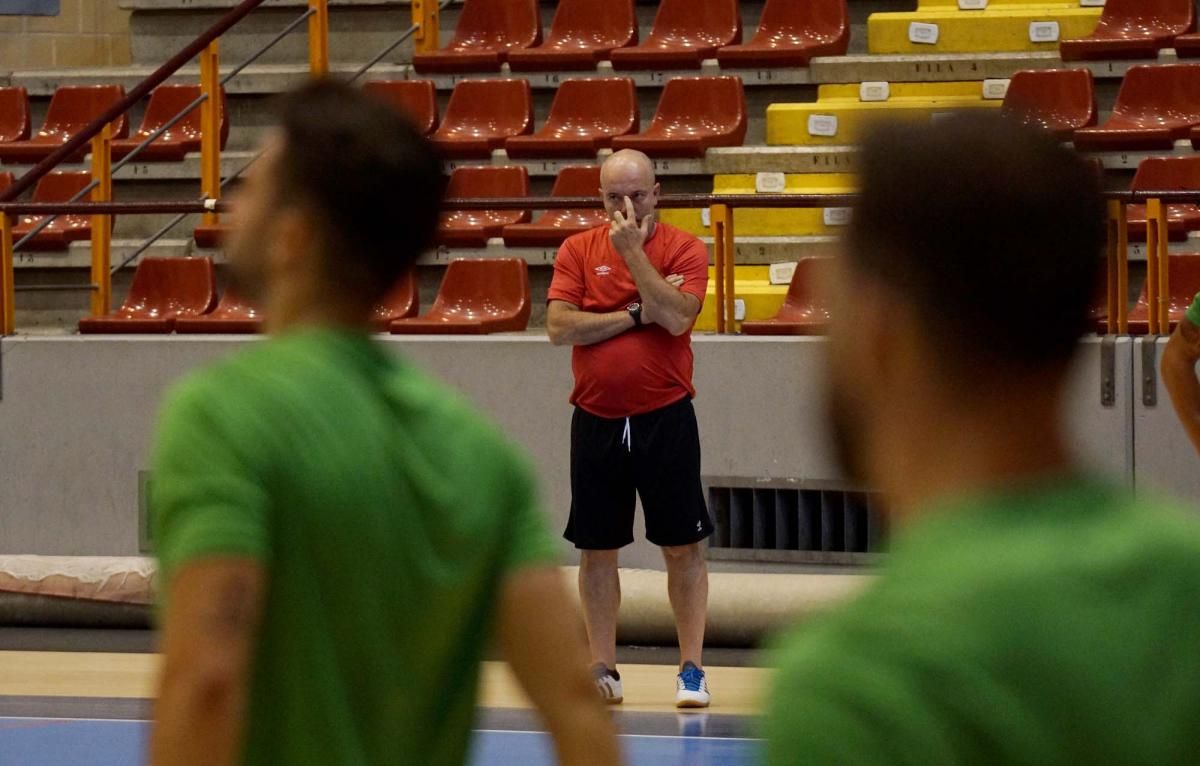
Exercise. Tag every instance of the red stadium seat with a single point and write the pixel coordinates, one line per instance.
(804, 310)
(554, 226)
(1183, 274)
(485, 32)
(1188, 46)
(476, 297)
(694, 114)
(14, 115)
(685, 33)
(582, 33)
(64, 229)
(1167, 174)
(792, 33)
(163, 290)
(1058, 100)
(210, 237)
(166, 101)
(585, 117)
(402, 302)
(1131, 29)
(415, 99)
(1157, 106)
(482, 115)
(6, 180)
(71, 109)
(232, 316)
(473, 228)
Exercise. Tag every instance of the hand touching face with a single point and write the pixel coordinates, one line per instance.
(626, 234)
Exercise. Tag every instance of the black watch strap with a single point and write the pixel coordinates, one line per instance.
(635, 311)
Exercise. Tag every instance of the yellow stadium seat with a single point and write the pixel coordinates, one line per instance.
(839, 115)
(772, 222)
(1001, 28)
(753, 287)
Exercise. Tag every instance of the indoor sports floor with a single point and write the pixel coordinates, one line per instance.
(86, 708)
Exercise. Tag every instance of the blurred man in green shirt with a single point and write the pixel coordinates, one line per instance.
(1179, 371)
(1027, 613)
(339, 535)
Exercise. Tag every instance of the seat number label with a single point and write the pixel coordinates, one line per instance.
(923, 34)
(1043, 32)
(874, 91)
(770, 183)
(836, 216)
(972, 5)
(823, 125)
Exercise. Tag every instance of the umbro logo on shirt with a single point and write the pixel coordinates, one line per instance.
(603, 271)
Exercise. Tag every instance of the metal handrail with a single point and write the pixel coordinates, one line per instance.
(168, 125)
(167, 227)
(666, 201)
(121, 106)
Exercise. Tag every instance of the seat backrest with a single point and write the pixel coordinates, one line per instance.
(811, 19)
(1183, 272)
(6, 180)
(609, 103)
(401, 301)
(1138, 18)
(73, 106)
(166, 101)
(61, 185)
(1159, 89)
(577, 181)
(497, 283)
(170, 285)
(501, 23)
(14, 114)
(608, 23)
(805, 291)
(714, 104)
(1054, 99)
(489, 181)
(504, 106)
(1168, 174)
(715, 21)
(416, 100)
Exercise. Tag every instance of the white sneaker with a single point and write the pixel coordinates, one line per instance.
(608, 683)
(691, 687)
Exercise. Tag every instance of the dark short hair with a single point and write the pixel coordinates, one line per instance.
(374, 185)
(994, 230)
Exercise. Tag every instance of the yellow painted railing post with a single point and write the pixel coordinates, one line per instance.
(1155, 262)
(719, 221)
(8, 322)
(318, 38)
(102, 224)
(425, 18)
(210, 127)
(1157, 220)
(1118, 268)
(730, 274)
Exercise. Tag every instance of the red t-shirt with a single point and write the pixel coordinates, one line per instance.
(645, 368)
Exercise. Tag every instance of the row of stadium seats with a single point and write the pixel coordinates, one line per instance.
(685, 32)
(693, 114)
(73, 107)
(180, 295)
(791, 32)
(1156, 106)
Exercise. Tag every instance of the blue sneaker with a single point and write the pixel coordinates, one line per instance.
(691, 689)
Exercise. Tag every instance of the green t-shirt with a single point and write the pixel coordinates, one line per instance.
(1056, 624)
(385, 513)
(1193, 312)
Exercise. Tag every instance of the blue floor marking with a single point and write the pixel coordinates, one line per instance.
(89, 742)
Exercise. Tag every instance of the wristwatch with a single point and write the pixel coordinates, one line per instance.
(635, 311)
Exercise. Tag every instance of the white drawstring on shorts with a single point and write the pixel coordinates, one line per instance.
(627, 437)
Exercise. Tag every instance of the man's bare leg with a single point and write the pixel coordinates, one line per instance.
(687, 586)
(600, 592)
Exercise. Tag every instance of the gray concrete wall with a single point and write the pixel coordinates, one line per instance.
(76, 414)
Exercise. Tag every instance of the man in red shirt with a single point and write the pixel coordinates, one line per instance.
(625, 296)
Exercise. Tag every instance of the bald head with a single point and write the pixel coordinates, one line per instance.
(629, 174)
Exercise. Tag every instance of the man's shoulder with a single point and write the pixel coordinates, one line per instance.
(676, 239)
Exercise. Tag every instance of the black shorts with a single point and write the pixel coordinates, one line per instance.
(656, 456)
